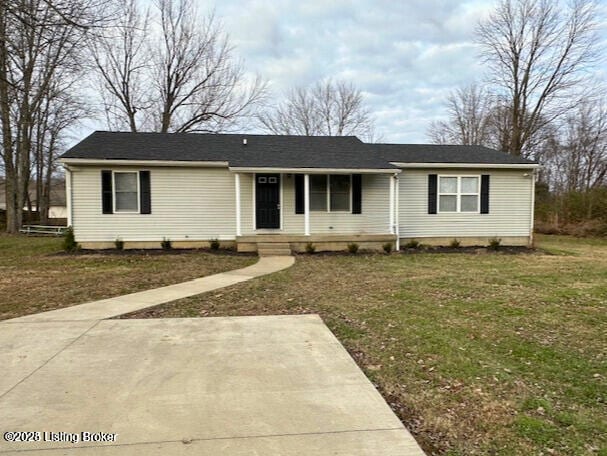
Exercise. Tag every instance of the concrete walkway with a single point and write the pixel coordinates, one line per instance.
(112, 307)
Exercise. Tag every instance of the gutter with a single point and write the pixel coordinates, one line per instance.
(116, 162)
(244, 169)
(468, 165)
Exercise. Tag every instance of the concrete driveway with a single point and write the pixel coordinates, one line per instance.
(277, 385)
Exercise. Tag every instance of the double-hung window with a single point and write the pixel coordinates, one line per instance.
(458, 193)
(126, 191)
(332, 193)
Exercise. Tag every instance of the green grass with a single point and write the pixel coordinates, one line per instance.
(35, 276)
(479, 354)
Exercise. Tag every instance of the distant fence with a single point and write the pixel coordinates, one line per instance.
(32, 218)
(43, 230)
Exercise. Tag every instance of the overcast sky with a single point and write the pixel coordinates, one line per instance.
(405, 56)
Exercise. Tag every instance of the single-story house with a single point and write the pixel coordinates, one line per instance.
(286, 191)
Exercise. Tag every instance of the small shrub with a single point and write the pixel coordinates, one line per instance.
(166, 244)
(353, 247)
(69, 240)
(214, 244)
(412, 244)
(119, 243)
(455, 244)
(387, 247)
(494, 244)
(310, 248)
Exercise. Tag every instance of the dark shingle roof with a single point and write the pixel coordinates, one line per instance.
(435, 153)
(275, 151)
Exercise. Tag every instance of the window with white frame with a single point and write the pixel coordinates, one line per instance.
(126, 192)
(458, 193)
(331, 193)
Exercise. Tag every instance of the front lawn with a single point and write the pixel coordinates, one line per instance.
(479, 354)
(35, 276)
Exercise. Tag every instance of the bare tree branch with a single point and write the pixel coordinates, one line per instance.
(537, 53)
(327, 108)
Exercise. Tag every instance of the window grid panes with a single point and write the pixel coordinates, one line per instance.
(458, 194)
(126, 198)
(330, 193)
(340, 192)
(318, 192)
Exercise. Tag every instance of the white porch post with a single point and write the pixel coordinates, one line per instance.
(307, 204)
(396, 211)
(391, 222)
(237, 188)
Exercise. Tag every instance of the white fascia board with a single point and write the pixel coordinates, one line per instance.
(144, 163)
(468, 165)
(237, 169)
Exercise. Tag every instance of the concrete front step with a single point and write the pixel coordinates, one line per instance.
(273, 248)
(273, 245)
(273, 252)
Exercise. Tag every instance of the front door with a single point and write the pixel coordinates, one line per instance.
(267, 200)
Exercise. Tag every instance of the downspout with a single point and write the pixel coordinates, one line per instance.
(531, 217)
(392, 205)
(396, 211)
(68, 194)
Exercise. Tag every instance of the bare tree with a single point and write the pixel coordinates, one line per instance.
(60, 110)
(536, 52)
(201, 86)
(578, 158)
(36, 45)
(121, 59)
(169, 70)
(327, 108)
(471, 119)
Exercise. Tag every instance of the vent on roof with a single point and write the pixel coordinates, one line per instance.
(244, 141)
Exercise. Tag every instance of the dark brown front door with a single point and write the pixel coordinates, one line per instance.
(267, 200)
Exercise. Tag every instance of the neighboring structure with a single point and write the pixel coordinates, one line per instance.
(57, 212)
(253, 189)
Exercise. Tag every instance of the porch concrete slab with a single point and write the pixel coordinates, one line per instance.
(112, 307)
(233, 386)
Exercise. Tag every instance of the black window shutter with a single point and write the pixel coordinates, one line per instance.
(299, 193)
(357, 194)
(432, 193)
(485, 194)
(107, 204)
(145, 196)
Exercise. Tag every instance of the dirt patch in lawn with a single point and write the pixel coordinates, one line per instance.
(477, 354)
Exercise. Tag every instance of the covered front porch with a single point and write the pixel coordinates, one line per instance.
(330, 208)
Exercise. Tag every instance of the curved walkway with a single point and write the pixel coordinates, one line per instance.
(112, 307)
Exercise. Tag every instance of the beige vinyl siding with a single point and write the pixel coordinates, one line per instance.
(509, 206)
(375, 217)
(200, 204)
(187, 204)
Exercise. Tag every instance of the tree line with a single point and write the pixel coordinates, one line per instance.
(163, 67)
(539, 100)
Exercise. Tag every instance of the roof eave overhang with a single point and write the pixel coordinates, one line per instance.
(116, 162)
(468, 165)
(249, 169)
